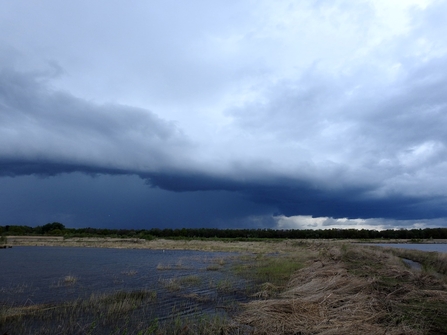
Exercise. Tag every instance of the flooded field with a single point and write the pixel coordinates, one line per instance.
(286, 287)
(171, 282)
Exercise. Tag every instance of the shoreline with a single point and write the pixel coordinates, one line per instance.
(190, 244)
(129, 243)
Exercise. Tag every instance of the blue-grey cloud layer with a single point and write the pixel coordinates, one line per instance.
(237, 118)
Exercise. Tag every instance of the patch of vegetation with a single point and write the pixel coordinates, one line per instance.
(416, 299)
(177, 266)
(171, 284)
(273, 269)
(227, 235)
(213, 267)
(224, 285)
(197, 325)
(434, 262)
(70, 280)
(431, 315)
(177, 283)
(190, 280)
(106, 313)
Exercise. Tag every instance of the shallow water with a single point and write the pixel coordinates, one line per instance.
(35, 275)
(412, 264)
(441, 247)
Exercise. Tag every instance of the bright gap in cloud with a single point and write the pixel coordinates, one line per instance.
(316, 223)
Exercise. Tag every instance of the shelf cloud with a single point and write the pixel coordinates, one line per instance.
(266, 115)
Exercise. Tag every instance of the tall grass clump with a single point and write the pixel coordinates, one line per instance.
(352, 289)
(70, 280)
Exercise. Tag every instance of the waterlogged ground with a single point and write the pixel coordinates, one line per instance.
(184, 282)
(302, 287)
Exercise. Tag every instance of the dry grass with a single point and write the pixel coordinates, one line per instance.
(70, 280)
(319, 300)
(157, 244)
(352, 290)
(431, 261)
(171, 284)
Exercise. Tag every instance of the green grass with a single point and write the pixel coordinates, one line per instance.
(177, 283)
(194, 325)
(191, 280)
(431, 313)
(274, 269)
(431, 261)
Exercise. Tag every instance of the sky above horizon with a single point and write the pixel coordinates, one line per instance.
(227, 114)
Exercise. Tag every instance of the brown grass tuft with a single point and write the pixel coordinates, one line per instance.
(70, 280)
(352, 290)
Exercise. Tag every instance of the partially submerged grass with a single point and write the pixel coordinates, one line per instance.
(302, 288)
(178, 266)
(213, 267)
(177, 283)
(268, 268)
(196, 325)
(216, 264)
(224, 285)
(108, 312)
(190, 280)
(70, 280)
(171, 284)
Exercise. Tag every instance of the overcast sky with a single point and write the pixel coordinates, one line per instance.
(228, 114)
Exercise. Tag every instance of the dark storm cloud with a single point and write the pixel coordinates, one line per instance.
(48, 132)
(120, 201)
(285, 108)
(291, 197)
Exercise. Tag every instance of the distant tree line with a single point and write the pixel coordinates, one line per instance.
(58, 229)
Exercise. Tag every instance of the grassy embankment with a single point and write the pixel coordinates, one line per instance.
(354, 289)
(303, 288)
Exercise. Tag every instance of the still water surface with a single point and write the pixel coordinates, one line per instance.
(34, 275)
(415, 246)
